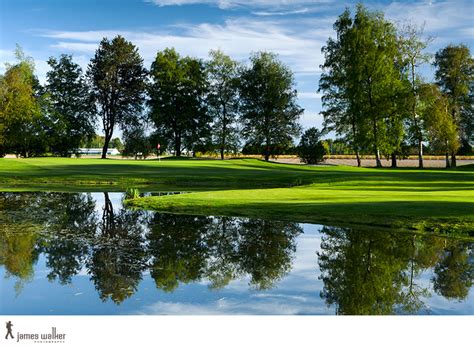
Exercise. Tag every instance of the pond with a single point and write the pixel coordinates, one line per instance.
(85, 253)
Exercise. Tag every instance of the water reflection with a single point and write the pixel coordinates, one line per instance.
(361, 272)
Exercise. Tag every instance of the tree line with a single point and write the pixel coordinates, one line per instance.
(193, 105)
(374, 99)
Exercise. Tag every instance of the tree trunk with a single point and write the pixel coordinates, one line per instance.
(359, 164)
(377, 157)
(108, 222)
(420, 154)
(356, 149)
(394, 160)
(267, 148)
(224, 128)
(177, 146)
(447, 157)
(453, 159)
(106, 146)
(378, 163)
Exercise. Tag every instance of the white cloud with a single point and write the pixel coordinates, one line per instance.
(281, 13)
(270, 304)
(467, 32)
(298, 47)
(75, 46)
(439, 17)
(225, 4)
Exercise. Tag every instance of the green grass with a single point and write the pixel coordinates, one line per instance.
(427, 200)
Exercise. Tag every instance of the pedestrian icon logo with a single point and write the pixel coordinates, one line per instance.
(9, 330)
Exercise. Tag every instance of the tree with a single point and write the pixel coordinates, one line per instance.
(361, 82)
(136, 142)
(454, 74)
(20, 108)
(117, 81)
(176, 102)
(270, 112)
(116, 143)
(311, 149)
(377, 76)
(223, 100)
(340, 111)
(412, 47)
(71, 109)
(440, 126)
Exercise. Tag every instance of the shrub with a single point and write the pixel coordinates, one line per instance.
(312, 149)
(132, 193)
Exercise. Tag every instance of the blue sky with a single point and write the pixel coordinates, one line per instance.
(295, 29)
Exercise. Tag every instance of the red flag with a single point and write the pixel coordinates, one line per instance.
(158, 146)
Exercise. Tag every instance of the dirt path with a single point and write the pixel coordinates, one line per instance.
(386, 163)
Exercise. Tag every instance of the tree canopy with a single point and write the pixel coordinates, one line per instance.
(117, 81)
(177, 93)
(269, 108)
(71, 109)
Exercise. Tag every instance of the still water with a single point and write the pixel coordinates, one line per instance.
(85, 253)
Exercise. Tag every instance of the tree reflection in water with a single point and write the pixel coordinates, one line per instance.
(117, 258)
(363, 272)
(374, 272)
(190, 248)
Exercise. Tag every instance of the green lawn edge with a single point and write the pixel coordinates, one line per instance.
(430, 200)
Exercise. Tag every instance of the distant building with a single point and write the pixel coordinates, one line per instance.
(97, 151)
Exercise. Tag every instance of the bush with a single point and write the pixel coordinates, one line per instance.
(312, 149)
(136, 143)
(132, 193)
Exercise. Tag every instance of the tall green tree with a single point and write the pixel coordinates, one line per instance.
(72, 111)
(177, 100)
(269, 109)
(455, 76)
(361, 82)
(20, 108)
(412, 48)
(117, 81)
(376, 74)
(223, 100)
(337, 83)
(442, 131)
